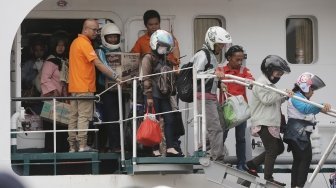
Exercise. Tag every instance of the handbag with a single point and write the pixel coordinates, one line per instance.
(235, 111)
(149, 132)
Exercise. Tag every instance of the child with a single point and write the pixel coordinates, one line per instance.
(301, 122)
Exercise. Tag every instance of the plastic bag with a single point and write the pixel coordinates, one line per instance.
(149, 132)
(235, 111)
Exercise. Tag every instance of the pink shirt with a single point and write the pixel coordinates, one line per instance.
(50, 78)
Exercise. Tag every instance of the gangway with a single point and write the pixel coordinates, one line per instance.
(216, 172)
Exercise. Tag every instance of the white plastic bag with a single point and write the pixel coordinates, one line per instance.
(235, 111)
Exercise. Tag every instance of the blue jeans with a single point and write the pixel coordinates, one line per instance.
(240, 143)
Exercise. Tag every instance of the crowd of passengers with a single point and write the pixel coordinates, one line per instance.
(79, 68)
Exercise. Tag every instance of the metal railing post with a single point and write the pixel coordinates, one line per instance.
(134, 119)
(121, 123)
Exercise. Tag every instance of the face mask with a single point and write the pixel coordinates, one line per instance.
(275, 80)
(162, 50)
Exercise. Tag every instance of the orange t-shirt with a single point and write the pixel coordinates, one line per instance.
(142, 46)
(82, 72)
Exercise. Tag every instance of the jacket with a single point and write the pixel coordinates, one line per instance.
(265, 105)
(200, 61)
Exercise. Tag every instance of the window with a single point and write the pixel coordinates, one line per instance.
(201, 25)
(300, 36)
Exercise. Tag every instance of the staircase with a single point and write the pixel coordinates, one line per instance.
(229, 177)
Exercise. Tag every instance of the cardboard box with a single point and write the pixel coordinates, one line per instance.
(62, 112)
(125, 64)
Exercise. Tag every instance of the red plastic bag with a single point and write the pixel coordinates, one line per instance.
(149, 132)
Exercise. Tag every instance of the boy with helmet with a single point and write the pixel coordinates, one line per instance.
(216, 38)
(266, 116)
(110, 38)
(235, 57)
(301, 122)
(161, 43)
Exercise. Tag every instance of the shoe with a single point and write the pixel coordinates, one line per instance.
(171, 152)
(72, 150)
(174, 154)
(278, 183)
(156, 153)
(242, 167)
(251, 169)
(87, 149)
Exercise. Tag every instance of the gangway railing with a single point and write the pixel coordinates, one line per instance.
(332, 112)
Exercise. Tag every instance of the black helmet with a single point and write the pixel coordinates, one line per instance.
(272, 63)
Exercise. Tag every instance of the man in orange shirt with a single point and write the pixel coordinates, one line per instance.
(82, 82)
(152, 21)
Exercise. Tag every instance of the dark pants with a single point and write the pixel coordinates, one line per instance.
(240, 143)
(110, 112)
(301, 163)
(273, 148)
(163, 105)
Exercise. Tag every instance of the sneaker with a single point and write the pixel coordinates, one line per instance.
(278, 183)
(87, 149)
(251, 169)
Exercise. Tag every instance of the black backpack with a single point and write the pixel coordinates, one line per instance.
(184, 82)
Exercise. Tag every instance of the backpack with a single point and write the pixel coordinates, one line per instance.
(184, 82)
(166, 82)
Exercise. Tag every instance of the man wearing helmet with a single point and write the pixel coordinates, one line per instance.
(266, 116)
(110, 38)
(157, 94)
(82, 82)
(301, 116)
(216, 38)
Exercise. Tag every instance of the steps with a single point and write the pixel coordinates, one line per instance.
(229, 177)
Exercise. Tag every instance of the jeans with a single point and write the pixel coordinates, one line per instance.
(240, 144)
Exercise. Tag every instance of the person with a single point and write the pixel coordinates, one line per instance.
(266, 116)
(110, 37)
(30, 70)
(82, 82)
(301, 122)
(161, 43)
(53, 81)
(55, 69)
(235, 56)
(216, 38)
(152, 21)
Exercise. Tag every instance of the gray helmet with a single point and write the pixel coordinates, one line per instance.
(272, 63)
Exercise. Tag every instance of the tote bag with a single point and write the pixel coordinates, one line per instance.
(235, 111)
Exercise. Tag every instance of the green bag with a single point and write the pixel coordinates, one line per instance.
(235, 111)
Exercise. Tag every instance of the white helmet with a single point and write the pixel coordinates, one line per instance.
(108, 29)
(215, 35)
(161, 38)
